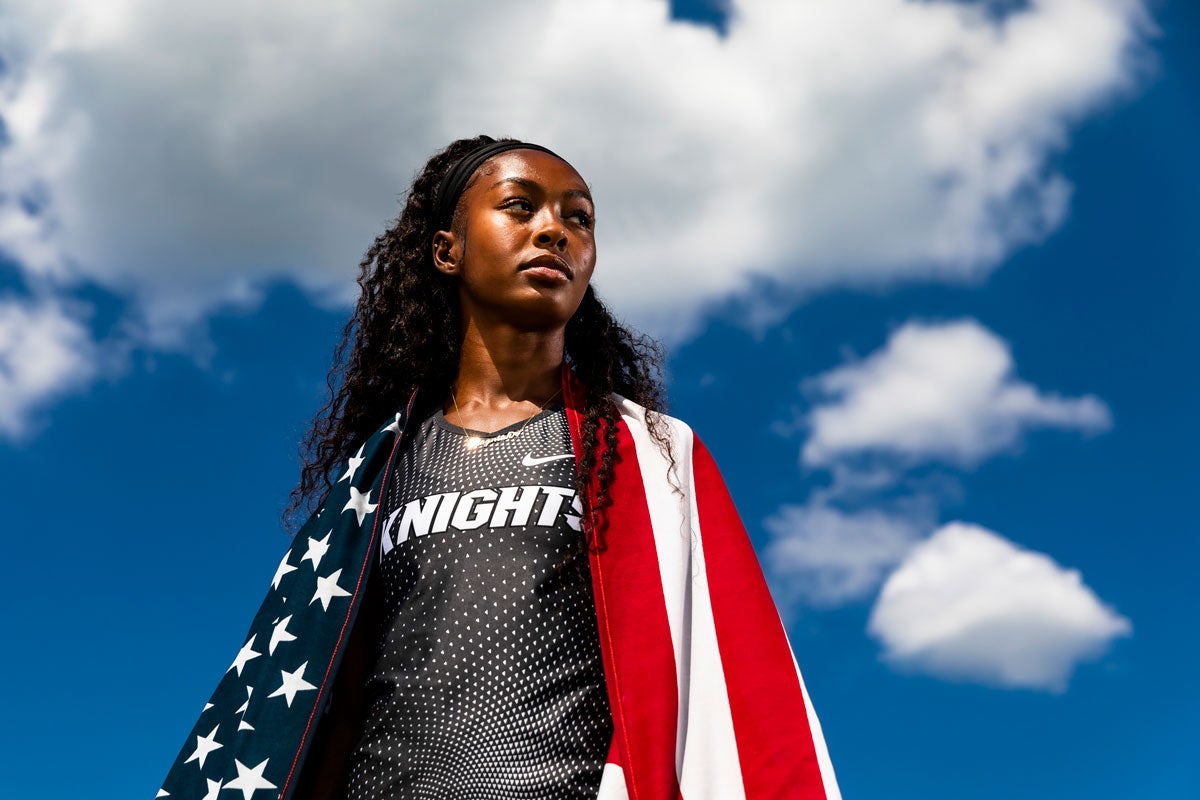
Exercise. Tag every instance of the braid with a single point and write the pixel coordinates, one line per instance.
(610, 359)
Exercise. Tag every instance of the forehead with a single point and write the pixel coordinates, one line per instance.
(550, 172)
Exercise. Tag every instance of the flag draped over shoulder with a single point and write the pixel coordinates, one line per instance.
(253, 732)
(706, 697)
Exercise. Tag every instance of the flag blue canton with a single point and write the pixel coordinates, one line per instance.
(253, 731)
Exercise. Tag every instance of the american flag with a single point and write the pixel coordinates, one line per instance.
(252, 732)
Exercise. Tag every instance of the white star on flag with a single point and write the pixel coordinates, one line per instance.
(353, 464)
(245, 654)
(317, 548)
(162, 793)
(280, 634)
(327, 589)
(293, 682)
(245, 705)
(249, 780)
(395, 425)
(284, 569)
(204, 746)
(361, 503)
(213, 788)
(242, 724)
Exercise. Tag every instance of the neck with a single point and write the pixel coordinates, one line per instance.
(505, 373)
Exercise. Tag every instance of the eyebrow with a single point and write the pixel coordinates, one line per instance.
(534, 185)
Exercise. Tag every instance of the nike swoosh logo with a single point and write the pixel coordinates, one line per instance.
(530, 461)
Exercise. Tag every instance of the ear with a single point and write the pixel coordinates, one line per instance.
(447, 252)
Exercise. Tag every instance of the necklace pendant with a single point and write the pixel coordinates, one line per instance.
(474, 442)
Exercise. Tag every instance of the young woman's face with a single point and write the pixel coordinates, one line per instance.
(525, 248)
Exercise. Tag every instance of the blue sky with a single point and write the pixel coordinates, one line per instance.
(149, 445)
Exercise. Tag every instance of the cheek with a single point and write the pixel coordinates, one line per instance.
(585, 251)
(590, 262)
(580, 287)
(587, 274)
(488, 245)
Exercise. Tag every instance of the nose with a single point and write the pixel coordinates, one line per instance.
(551, 234)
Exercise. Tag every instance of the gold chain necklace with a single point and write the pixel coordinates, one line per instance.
(474, 442)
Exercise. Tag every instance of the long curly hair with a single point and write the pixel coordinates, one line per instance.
(406, 333)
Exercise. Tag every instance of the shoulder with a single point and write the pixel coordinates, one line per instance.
(667, 447)
(684, 449)
(639, 418)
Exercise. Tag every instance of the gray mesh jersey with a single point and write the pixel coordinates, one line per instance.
(489, 683)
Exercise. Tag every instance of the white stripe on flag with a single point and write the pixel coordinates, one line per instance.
(709, 766)
(612, 783)
(832, 792)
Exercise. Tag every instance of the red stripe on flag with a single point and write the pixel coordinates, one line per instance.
(770, 722)
(635, 636)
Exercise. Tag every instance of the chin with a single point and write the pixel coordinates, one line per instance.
(546, 313)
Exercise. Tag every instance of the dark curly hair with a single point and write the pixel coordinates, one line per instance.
(406, 333)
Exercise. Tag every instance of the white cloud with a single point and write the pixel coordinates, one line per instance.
(44, 353)
(183, 151)
(827, 556)
(936, 391)
(969, 605)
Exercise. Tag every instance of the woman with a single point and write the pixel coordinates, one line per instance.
(561, 599)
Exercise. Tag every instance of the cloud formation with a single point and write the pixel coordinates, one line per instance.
(967, 604)
(179, 151)
(825, 556)
(182, 155)
(882, 430)
(945, 391)
(44, 353)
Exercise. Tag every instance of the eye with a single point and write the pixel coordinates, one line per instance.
(517, 203)
(585, 219)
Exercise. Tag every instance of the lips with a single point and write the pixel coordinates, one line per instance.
(549, 262)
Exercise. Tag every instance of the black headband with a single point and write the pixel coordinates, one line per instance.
(455, 179)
